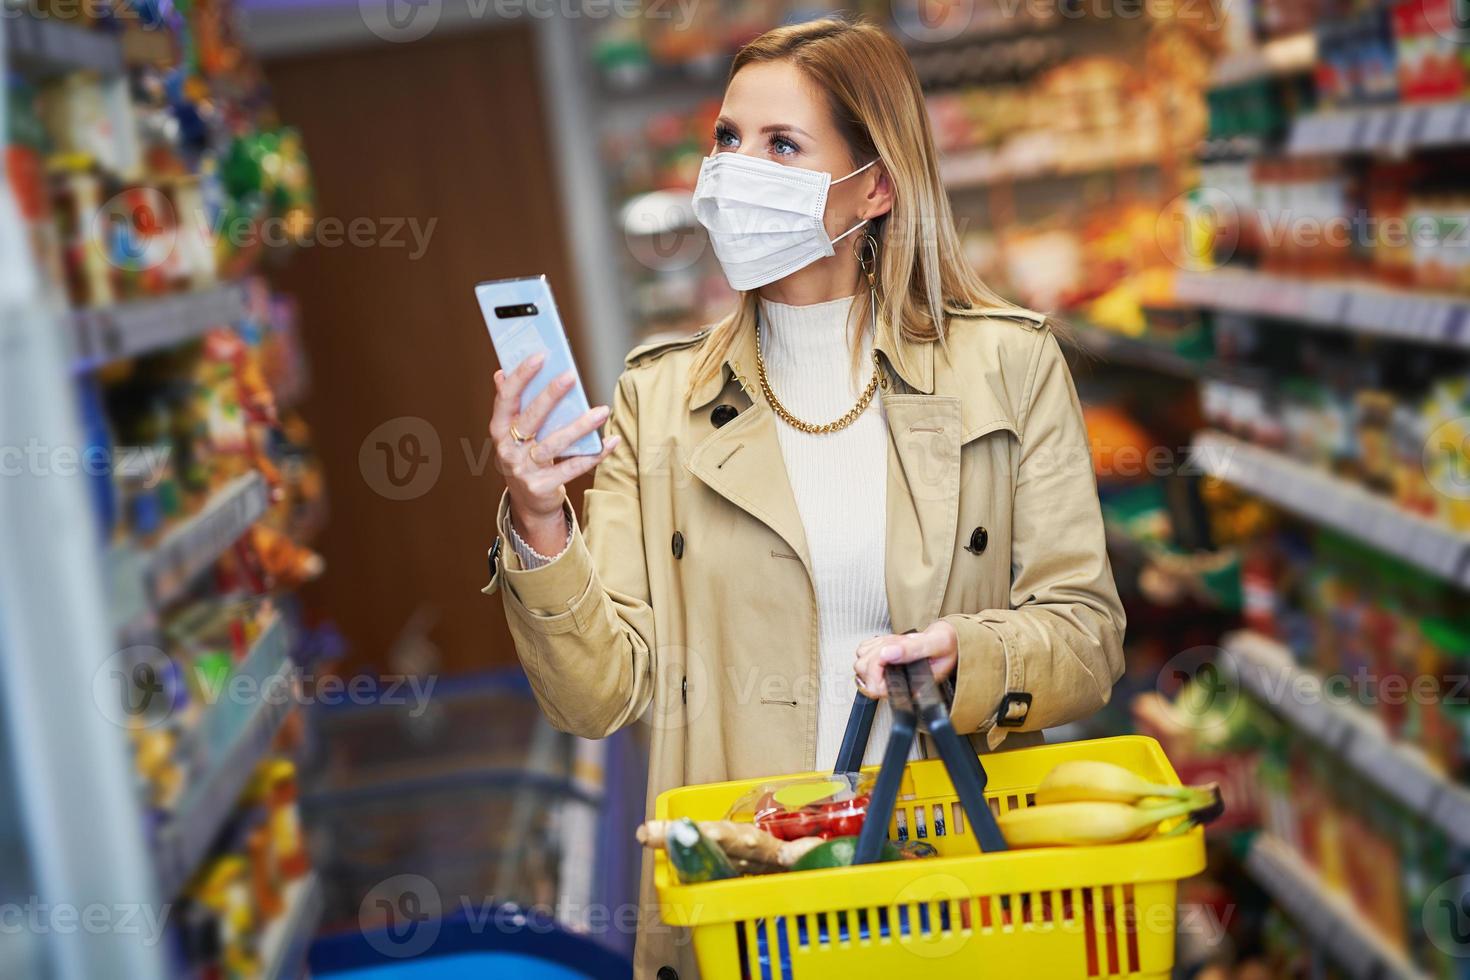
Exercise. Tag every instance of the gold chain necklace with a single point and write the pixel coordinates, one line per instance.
(809, 427)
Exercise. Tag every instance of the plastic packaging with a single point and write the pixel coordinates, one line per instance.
(807, 806)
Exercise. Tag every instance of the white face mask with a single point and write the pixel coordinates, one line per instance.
(764, 218)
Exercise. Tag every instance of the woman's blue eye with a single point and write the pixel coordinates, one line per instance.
(725, 138)
(783, 146)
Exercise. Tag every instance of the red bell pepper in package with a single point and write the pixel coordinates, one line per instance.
(807, 806)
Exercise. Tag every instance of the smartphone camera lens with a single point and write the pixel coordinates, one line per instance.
(521, 309)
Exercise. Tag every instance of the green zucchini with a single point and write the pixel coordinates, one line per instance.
(696, 858)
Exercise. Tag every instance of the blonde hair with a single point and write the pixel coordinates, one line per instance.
(879, 108)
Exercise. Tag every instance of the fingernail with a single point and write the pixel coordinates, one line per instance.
(614, 442)
(567, 380)
(890, 654)
(601, 411)
(537, 359)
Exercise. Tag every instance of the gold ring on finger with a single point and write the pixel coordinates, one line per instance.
(516, 434)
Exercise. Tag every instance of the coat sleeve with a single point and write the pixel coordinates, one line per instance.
(582, 624)
(1061, 640)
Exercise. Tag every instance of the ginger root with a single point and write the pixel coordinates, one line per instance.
(752, 850)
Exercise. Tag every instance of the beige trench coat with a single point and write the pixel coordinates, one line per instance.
(685, 598)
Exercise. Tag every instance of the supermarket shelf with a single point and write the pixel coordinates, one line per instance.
(986, 167)
(1266, 669)
(921, 40)
(235, 732)
(1395, 129)
(192, 547)
(285, 942)
(44, 47)
(1333, 925)
(699, 78)
(1399, 314)
(1119, 348)
(1331, 502)
(115, 333)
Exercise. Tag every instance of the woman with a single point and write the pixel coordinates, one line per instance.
(763, 532)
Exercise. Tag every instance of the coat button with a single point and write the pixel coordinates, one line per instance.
(723, 414)
(979, 538)
(667, 973)
(678, 544)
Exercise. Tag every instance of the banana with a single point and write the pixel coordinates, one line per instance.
(1082, 780)
(1080, 824)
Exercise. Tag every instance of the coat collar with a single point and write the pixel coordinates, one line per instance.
(964, 368)
(913, 363)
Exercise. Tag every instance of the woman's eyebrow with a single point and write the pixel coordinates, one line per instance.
(785, 128)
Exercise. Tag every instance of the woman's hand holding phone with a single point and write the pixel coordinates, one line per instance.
(535, 479)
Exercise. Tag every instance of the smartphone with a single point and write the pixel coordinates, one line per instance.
(523, 321)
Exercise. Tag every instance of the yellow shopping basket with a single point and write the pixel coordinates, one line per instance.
(1054, 913)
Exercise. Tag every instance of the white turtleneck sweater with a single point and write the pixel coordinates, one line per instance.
(840, 482)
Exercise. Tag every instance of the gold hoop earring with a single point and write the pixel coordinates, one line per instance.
(866, 250)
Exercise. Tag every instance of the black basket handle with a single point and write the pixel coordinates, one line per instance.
(913, 695)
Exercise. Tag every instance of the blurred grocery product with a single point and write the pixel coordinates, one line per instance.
(146, 158)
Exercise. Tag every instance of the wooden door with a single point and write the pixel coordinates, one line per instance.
(447, 132)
